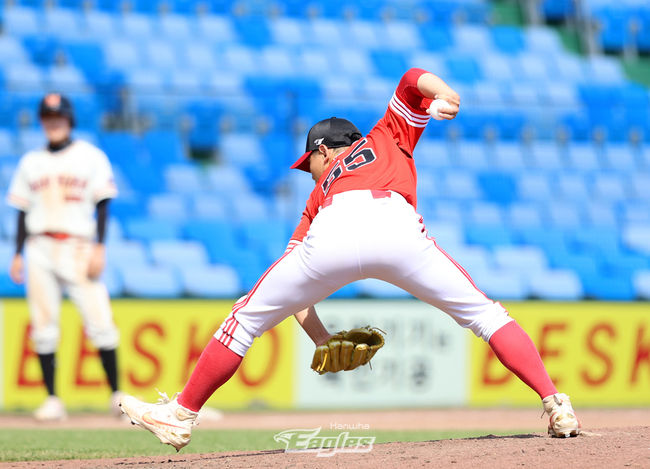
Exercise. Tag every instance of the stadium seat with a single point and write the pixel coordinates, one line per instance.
(214, 281)
(502, 284)
(167, 206)
(641, 281)
(147, 229)
(556, 285)
(177, 254)
(113, 282)
(21, 21)
(122, 254)
(525, 260)
(637, 238)
(609, 288)
(209, 206)
(151, 282)
(473, 259)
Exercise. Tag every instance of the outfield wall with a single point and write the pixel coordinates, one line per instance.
(599, 353)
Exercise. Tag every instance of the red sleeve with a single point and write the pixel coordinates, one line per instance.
(406, 116)
(302, 228)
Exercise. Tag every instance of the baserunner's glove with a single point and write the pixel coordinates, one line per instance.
(347, 350)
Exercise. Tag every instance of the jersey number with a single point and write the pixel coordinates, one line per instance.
(356, 159)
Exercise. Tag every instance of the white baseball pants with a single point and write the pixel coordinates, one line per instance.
(54, 266)
(361, 236)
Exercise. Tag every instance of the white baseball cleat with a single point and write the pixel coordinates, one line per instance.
(116, 397)
(167, 419)
(52, 409)
(563, 422)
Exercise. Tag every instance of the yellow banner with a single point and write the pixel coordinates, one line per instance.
(159, 346)
(598, 353)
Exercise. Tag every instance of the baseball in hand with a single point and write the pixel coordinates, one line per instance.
(435, 107)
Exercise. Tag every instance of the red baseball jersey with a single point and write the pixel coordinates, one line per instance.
(383, 159)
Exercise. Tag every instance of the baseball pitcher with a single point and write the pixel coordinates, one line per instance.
(360, 221)
(57, 191)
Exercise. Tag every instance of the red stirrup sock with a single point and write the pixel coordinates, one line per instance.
(517, 352)
(216, 365)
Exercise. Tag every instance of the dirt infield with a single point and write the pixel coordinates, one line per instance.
(611, 439)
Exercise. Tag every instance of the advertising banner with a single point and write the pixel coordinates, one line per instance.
(598, 353)
(422, 364)
(159, 345)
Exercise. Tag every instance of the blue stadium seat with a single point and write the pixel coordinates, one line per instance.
(175, 27)
(66, 79)
(19, 21)
(609, 288)
(641, 186)
(214, 281)
(100, 24)
(375, 288)
(508, 39)
(226, 180)
(241, 149)
(24, 77)
(543, 39)
(185, 179)
(216, 29)
(641, 282)
(636, 237)
(389, 63)
(160, 54)
(122, 254)
(523, 215)
(498, 187)
(460, 185)
(572, 186)
(218, 236)
(470, 155)
(402, 35)
(601, 214)
(472, 38)
(556, 285)
(534, 186)
(122, 55)
(567, 215)
(8, 288)
(151, 282)
(488, 236)
(172, 253)
(507, 156)
(532, 67)
(610, 187)
(207, 206)
(147, 229)
(484, 213)
(62, 22)
(167, 206)
(502, 284)
(474, 259)
(12, 51)
(558, 10)
(113, 282)
(136, 26)
(287, 31)
(463, 69)
(522, 259)
(250, 207)
(619, 157)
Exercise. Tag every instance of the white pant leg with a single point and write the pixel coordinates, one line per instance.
(413, 262)
(89, 296)
(312, 271)
(44, 294)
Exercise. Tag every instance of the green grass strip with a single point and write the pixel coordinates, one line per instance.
(42, 445)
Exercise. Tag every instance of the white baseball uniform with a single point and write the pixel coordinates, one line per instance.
(361, 222)
(59, 192)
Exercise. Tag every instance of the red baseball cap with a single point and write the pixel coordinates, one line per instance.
(333, 133)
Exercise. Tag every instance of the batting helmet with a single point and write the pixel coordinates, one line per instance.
(55, 104)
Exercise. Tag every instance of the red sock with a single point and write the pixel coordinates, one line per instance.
(216, 365)
(517, 352)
